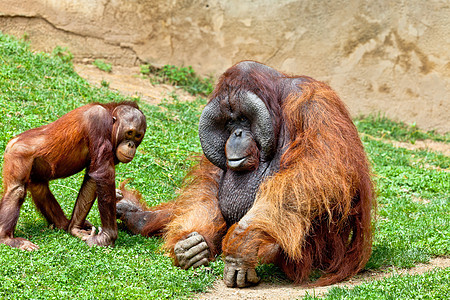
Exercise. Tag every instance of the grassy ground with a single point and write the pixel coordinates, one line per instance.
(414, 202)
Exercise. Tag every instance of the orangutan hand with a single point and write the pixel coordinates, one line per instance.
(193, 251)
(239, 274)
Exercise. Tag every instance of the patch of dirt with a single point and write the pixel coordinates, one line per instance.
(288, 291)
(428, 145)
(127, 81)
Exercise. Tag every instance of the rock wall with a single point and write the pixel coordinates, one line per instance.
(389, 57)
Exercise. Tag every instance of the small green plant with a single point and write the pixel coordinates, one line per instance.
(62, 53)
(145, 69)
(184, 77)
(102, 65)
(105, 84)
(25, 36)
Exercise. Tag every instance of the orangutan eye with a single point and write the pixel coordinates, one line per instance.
(242, 119)
(138, 136)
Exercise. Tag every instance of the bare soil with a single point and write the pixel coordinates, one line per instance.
(127, 80)
(289, 291)
(428, 145)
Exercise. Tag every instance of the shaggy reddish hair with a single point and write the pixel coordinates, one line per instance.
(314, 211)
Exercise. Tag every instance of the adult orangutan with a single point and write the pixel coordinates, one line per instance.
(284, 179)
(96, 137)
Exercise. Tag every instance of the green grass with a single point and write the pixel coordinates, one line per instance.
(430, 285)
(101, 65)
(36, 89)
(384, 128)
(413, 186)
(184, 77)
(413, 205)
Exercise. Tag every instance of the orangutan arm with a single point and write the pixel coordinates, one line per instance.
(244, 247)
(194, 236)
(137, 217)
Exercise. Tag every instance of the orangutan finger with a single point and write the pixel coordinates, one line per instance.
(252, 277)
(188, 243)
(229, 276)
(241, 278)
(196, 250)
(202, 262)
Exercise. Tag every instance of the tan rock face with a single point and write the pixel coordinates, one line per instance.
(386, 56)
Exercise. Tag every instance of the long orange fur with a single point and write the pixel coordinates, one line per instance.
(314, 213)
(318, 206)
